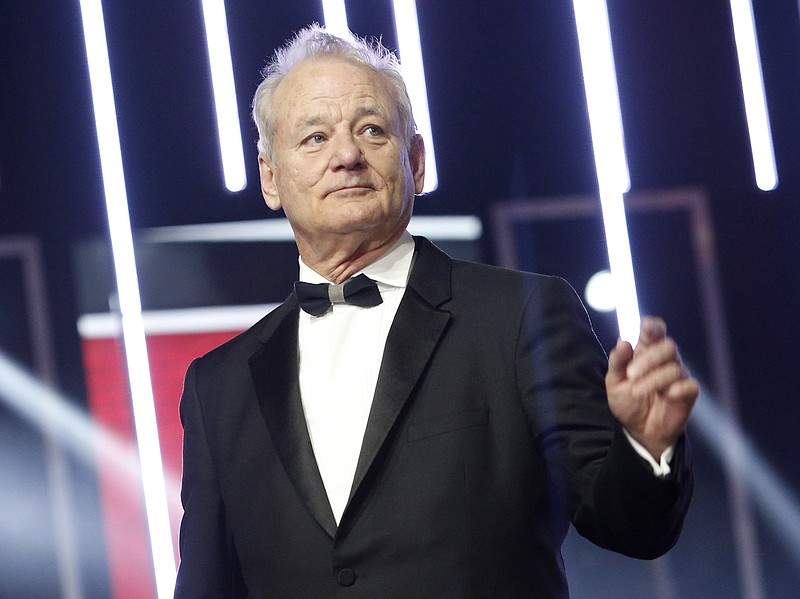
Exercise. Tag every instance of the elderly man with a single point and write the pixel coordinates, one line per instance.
(404, 424)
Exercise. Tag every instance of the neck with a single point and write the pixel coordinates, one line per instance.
(338, 263)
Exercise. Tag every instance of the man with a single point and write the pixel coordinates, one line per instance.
(439, 443)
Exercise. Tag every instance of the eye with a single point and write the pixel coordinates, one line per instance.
(373, 130)
(315, 139)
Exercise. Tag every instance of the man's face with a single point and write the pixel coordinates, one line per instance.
(342, 165)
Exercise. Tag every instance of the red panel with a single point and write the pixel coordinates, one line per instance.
(128, 549)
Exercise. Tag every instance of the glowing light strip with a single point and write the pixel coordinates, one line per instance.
(129, 301)
(608, 143)
(439, 228)
(755, 101)
(410, 48)
(228, 129)
(186, 320)
(602, 99)
(621, 265)
(335, 15)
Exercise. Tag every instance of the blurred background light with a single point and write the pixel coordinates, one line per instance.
(600, 294)
(47, 410)
(222, 80)
(778, 504)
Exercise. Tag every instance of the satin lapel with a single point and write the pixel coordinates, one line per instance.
(414, 335)
(274, 371)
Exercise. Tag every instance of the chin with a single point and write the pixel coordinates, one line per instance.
(358, 217)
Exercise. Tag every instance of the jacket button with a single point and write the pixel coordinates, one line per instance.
(346, 577)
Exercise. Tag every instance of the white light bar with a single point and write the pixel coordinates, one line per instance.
(755, 101)
(335, 15)
(410, 48)
(228, 129)
(185, 320)
(438, 228)
(602, 99)
(621, 266)
(129, 300)
(608, 143)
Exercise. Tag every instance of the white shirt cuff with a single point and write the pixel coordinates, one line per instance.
(660, 469)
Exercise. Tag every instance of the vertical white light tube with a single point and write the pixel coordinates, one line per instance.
(621, 265)
(335, 15)
(608, 143)
(755, 100)
(129, 300)
(227, 111)
(602, 99)
(407, 28)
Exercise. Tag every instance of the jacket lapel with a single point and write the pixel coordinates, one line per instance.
(414, 335)
(274, 370)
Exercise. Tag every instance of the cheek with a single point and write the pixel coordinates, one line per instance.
(297, 180)
(403, 175)
(394, 170)
(307, 176)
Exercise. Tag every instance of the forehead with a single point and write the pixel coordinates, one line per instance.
(317, 83)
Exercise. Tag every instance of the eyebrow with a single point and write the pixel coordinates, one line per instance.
(361, 111)
(369, 111)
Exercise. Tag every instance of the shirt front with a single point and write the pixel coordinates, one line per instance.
(340, 355)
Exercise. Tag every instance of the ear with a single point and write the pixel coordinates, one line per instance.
(268, 188)
(417, 157)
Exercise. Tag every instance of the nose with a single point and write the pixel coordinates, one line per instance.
(347, 154)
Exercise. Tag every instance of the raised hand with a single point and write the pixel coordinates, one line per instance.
(649, 390)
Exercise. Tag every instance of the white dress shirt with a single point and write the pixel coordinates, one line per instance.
(340, 357)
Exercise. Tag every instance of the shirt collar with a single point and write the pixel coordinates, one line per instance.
(392, 268)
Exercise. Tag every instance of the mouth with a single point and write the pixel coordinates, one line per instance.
(351, 189)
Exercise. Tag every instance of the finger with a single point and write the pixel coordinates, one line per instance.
(618, 361)
(684, 389)
(652, 330)
(659, 380)
(653, 356)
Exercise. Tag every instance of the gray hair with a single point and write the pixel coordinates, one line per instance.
(314, 42)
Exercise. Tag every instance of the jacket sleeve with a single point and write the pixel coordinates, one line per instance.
(598, 481)
(209, 567)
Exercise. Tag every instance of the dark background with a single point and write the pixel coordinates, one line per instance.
(509, 121)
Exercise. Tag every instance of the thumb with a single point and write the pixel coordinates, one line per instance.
(618, 361)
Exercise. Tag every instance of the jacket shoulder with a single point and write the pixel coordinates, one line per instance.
(247, 342)
(433, 265)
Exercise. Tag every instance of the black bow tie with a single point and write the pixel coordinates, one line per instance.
(316, 299)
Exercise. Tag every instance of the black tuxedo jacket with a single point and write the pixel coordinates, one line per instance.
(489, 433)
